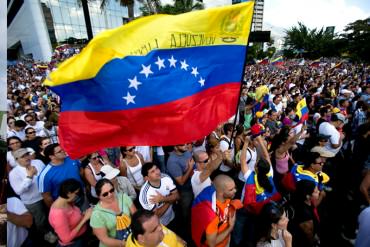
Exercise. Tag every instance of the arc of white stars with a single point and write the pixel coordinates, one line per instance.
(146, 70)
(184, 65)
(194, 71)
(129, 98)
(201, 81)
(160, 63)
(172, 61)
(134, 83)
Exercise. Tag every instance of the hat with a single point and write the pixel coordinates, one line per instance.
(344, 91)
(323, 137)
(259, 114)
(109, 172)
(341, 117)
(257, 129)
(20, 152)
(316, 115)
(323, 152)
(335, 110)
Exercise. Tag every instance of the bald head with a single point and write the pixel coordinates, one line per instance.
(198, 155)
(221, 181)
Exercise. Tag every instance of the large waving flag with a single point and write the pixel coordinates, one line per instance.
(302, 111)
(159, 80)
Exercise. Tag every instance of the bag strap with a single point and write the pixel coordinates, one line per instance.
(132, 175)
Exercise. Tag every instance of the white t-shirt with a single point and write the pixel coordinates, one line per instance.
(148, 190)
(329, 129)
(145, 152)
(25, 187)
(198, 186)
(296, 130)
(15, 234)
(251, 156)
(224, 145)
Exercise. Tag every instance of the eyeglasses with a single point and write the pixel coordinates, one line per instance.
(32, 132)
(204, 161)
(58, 152)
(130, 150)
(105, 194)
(13, 143)
(320, 163)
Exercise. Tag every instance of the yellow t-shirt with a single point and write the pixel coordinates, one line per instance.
(169, 240)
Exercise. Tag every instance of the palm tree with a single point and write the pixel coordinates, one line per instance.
(126, 3)
(179, 6)
(85, 8)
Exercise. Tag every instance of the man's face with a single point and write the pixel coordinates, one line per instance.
(273, 116)
(154, 174)
(59, 153)
(182, 148)
(153, 232)
(229, 190)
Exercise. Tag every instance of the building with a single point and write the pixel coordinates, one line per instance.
(35, 27)
(257, 21)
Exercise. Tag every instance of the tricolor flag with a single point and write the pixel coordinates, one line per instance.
(277, 61)
(315, 63)
(302, 111)
(159, 80)
(264, 61)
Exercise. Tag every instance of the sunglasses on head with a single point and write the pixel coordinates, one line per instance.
(105, 194)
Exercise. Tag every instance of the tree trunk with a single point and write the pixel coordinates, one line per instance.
(85, 8)
(130, 10)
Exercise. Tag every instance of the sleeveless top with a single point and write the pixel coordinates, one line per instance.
(134, 173)
(282, 165)
(251, 162)
(97, 178)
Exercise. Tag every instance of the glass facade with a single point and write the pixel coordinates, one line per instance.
(68, 18)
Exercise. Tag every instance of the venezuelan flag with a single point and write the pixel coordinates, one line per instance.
(277, 61)
(315, 63)
(302, 111)
(159, 80)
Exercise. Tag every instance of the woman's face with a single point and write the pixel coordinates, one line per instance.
(130, 151)
(282, 224)
(73, 195)
(45, 143)
(107, 193)
(14, 144)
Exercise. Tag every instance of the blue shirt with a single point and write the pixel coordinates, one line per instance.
(52, 176)
(177, 166)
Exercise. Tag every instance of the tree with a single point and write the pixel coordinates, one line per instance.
(357, 39)
(85, 9)
(315, 43)
(179, 6)
(126, 3)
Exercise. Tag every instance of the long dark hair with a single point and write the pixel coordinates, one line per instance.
(263, 168)
(281, 137)
(271, 213)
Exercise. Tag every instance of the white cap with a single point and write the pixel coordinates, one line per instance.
(109, 172)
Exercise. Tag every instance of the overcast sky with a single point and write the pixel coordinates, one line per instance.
(313, 13)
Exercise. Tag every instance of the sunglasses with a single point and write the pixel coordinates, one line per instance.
(32, 132)
(130, 150)
(105, 194)
(95, 158)
(204, 161)
(320, 163)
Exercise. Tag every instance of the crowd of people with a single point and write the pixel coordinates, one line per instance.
(264, 178)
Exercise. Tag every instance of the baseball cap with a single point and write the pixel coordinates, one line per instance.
(109, 172)
(257, 129)
(341, 117)
(20, 152)
(323, 152)
(335, 110)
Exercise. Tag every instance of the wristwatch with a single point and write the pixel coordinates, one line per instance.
(30, 177)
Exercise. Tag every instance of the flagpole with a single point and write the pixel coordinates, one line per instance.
(241, 81)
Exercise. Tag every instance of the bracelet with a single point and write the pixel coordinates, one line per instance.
(30, 177)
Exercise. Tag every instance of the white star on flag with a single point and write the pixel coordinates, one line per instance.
(194, 71)
(201, 82)
(184, 65)
(160, 63)
(134, 83)
(172, 61)
(129, 98)
(146, 70)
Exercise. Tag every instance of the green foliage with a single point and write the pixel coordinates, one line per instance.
(311, 43)
(357, 40)
(179, 7)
